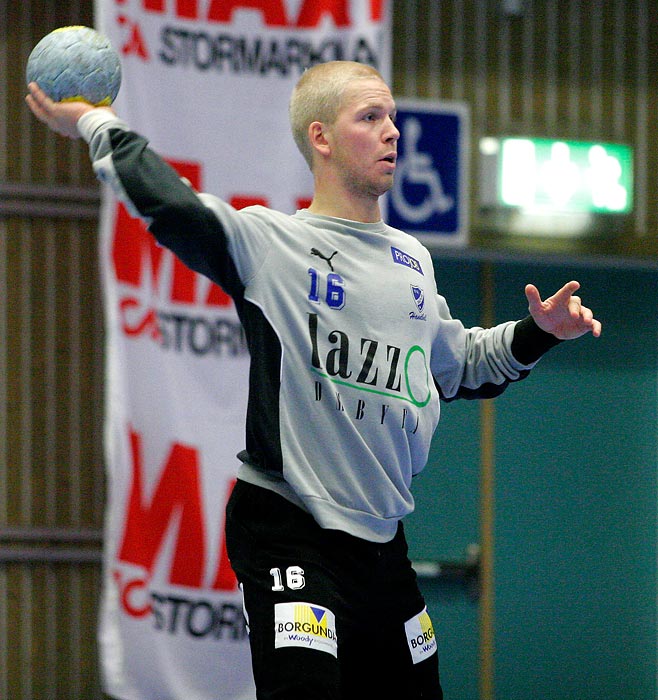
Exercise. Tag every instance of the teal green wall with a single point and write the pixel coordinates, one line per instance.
(446, 520)
(575, 491)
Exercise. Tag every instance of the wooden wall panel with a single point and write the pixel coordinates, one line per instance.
(51, 388)
(579, 70)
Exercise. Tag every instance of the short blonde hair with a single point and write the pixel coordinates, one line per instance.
(318, 95)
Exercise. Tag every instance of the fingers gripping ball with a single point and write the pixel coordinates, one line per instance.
(75, 64)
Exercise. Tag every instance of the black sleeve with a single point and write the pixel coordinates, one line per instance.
(530, 342)
(180, 221)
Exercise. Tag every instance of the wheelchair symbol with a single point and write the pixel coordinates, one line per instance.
(416, 168)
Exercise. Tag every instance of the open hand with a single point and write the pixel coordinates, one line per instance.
(563, 314)
(61, 117)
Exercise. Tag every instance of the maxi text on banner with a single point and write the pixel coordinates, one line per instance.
(208, 82)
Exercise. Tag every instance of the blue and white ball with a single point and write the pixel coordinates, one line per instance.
(76, 64)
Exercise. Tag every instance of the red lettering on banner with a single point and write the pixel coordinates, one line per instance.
(217, 296)
(273, 12)
(145, 323)
(313, 11)
(133, 247)
(135, 44)
(184, 8)
(241, 201)
(126, 596)
(377, 10)
(177, 497)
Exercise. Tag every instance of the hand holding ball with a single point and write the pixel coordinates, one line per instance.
(76, 64)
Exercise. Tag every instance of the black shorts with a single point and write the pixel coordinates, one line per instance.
(329, 615)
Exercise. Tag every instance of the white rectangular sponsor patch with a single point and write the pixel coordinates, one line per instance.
(305, 625)
(420, 636)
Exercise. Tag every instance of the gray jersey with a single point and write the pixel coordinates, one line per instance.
(351, 346)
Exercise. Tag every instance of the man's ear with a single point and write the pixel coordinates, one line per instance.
(318, 138)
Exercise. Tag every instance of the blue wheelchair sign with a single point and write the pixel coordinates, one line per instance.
(429, 196)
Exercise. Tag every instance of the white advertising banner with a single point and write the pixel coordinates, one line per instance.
(208, 82)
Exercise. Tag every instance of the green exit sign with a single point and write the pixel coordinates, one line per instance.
(545, 175)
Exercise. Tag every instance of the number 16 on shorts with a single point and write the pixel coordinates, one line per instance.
(294, 578)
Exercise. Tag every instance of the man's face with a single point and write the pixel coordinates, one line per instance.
(364, 138)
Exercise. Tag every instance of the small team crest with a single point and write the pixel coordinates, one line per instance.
(419, 297)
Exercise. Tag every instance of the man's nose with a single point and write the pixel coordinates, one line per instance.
(392, 132)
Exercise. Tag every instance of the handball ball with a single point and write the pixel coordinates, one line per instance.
(75, 64)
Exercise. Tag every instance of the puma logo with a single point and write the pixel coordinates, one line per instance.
(315, 251)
